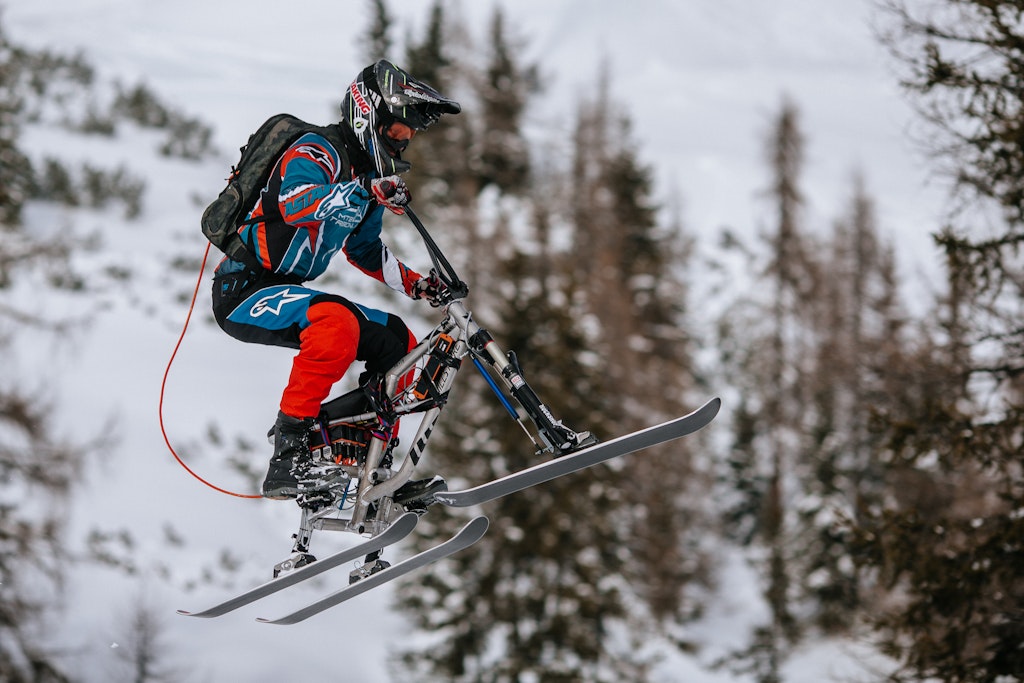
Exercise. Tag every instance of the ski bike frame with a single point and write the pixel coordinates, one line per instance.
(439, 356)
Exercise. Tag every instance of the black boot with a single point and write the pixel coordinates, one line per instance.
(291, 457)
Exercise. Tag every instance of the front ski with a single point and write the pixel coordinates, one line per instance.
(398, 530)
(573, 462)
(467, 536)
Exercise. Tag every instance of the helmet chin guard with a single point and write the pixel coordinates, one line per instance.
(381, 95)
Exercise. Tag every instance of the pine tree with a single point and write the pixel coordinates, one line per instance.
(792, 278)
(540, 594)
(860, 344)
(430, 57)
(36, 471)
(949, 544)
(632, 287)
(504, 159)
(634, 292)
(376, 43)
(445, 165)
(530, 606)
(772, 364)
(438, 159)
(15, 171)
(141, 651)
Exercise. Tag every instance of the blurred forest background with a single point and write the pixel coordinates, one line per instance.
(867, 463)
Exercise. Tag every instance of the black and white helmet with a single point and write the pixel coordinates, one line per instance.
(382, 95)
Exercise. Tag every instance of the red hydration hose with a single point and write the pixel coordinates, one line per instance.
(163, 386)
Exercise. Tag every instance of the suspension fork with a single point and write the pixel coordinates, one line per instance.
(557, 437)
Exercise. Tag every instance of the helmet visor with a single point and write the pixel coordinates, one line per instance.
(411, 101)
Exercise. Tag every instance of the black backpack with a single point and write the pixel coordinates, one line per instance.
(226, 214)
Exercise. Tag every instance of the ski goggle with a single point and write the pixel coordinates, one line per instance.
(397, 136)
(400, 132)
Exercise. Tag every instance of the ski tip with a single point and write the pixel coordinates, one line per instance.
(289, 620)
(200, 615)
(476, 527)
(707, 412)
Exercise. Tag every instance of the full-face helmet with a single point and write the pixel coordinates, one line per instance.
(384, 106)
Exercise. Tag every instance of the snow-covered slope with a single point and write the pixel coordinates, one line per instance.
(701, 80)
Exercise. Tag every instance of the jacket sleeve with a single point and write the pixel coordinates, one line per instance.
(315, 196)
(313, 190)
(367, 252)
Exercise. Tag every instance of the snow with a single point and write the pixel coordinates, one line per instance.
(701, 80)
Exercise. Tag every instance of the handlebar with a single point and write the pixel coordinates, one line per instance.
(445, 272)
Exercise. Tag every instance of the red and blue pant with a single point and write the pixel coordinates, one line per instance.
(329, 331)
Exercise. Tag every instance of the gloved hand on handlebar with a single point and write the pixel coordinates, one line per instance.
(391, 192)
(432, 289)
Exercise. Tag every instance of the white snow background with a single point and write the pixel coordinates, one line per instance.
(701, 80)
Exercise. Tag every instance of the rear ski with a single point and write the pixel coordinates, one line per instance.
(467, 536)
(401, 528)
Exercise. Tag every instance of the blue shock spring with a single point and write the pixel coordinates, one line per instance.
(497, 391)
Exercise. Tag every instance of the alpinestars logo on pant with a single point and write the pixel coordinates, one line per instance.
(274, 302)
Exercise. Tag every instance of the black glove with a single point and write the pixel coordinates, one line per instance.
(432, 289)
(391, 192)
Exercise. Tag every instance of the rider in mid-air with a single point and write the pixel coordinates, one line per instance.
(320, 200)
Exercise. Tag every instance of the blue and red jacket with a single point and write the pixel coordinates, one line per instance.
(319, 210)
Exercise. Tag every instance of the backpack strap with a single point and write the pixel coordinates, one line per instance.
(334, 135)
